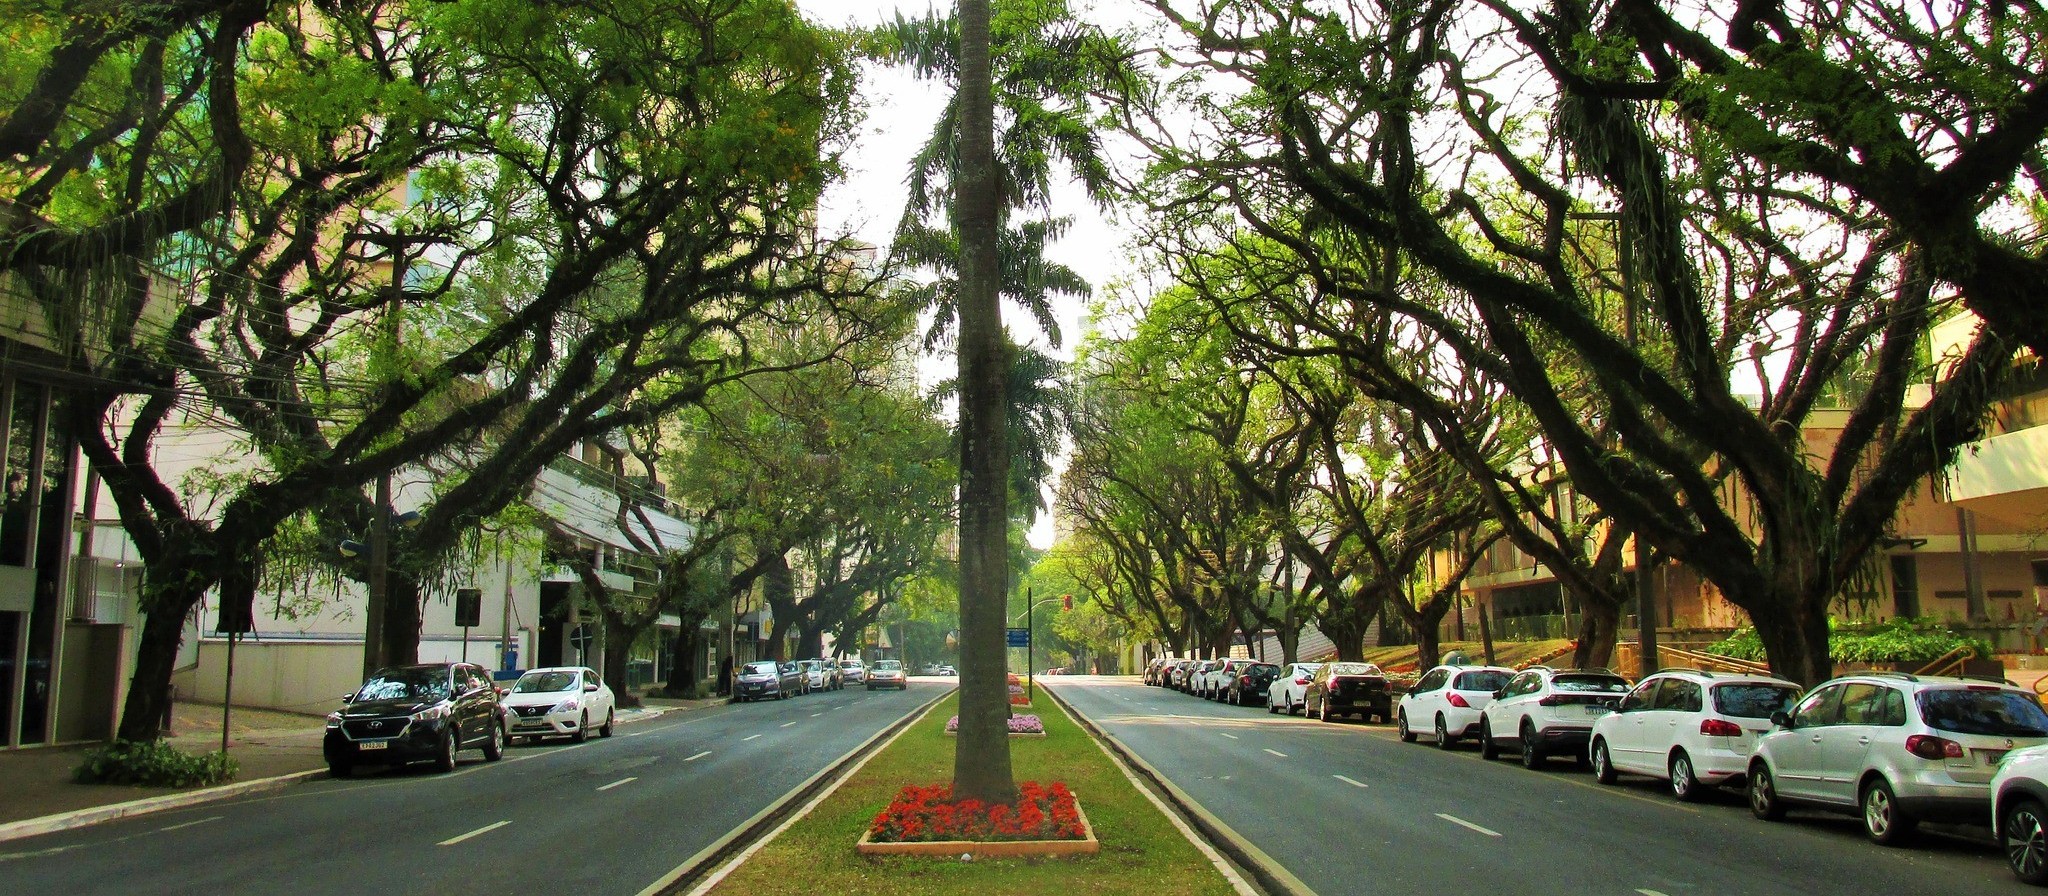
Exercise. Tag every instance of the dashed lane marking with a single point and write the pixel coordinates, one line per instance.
(750, 737)
(1467, 825)
(617, 783)
(1275, 752)
(698, 756)
(476, 833)
(1228, 735)
(1349, 781)
(787, 724)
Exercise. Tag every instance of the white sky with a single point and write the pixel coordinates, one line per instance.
(900, 114)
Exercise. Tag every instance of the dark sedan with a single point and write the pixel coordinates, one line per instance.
(1249, 687)
(1342, 689)
(413, 713)
(767, 680)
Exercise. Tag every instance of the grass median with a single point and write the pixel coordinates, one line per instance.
(1141, 849)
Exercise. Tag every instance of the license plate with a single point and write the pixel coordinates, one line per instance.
(372, 744)
(1991, 757)
(1596, 709)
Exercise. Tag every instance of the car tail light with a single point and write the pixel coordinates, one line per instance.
(1927, 746)
(1552, 700)
(1458, 700)
(1301, 681)
(1720, 728)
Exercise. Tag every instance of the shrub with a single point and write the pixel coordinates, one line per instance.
(154, 764)
(1895, 641)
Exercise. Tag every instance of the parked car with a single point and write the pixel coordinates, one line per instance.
(1155, 671)
(1289, 691)
(1224, 677)
(560, 701)
(407, 714)
(887, 674)
(1250, 687)
(1895, 748)
(820, 675)
(1449, 700)
(852, 671)
(766, 680)
(948, 670)
(1177, 674)
(1341, 689)
(1544, 711)
(1199, 677)
(1692, 728)
(2019, 812)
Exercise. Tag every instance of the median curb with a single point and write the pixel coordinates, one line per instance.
(703, 870)
(1270, 876)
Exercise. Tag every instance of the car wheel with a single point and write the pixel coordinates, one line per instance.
(1401, 727)
(1532, 753)
(446, 760)
(1487, 748)
(1684, 784)
(340, 769)
(582, 727)
(1444, 740)
(2023, 831)
(1603, 764)
(1763, 793)
(1272, 709)
(1883, 818)
(494, 747)
(1324, 710)
(610, 716)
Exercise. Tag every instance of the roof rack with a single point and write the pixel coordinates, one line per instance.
(1691, 669)
(1879, 673)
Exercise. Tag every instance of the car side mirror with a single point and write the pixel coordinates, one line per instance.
(1500, 693)
(589, 687)
(1782, 719)
(503, 691)
(348, 697)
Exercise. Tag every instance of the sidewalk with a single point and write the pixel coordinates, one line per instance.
(274, 749)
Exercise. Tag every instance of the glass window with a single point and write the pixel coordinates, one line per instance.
(1990, 711)
(1862, 704)
(544, 682)
(1643, 697)
(22, 405)
(1482, 680)
(1679, 695)
(1755, 701)
(1819, 707)
(405, 684)
(1580, 683)
(1433, 680)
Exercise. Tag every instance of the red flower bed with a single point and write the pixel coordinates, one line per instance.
(920, 814)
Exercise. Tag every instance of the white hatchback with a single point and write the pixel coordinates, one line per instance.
(560, 701)
(1693, 728)
(1449, 700)
(1290, 690)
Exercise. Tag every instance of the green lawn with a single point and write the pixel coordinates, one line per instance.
(1141, 849)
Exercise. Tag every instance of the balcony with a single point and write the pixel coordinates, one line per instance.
(2005, 476)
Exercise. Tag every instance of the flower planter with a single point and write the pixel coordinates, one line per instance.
(1039, 734)
(1088, 845)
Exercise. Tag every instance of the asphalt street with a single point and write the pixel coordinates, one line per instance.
(1348, 808)
(609, 816)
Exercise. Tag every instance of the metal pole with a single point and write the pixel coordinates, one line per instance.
(1030, 646)
(227, 698)
(380, 567)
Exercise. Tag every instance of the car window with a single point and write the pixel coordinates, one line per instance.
(1435, 679)
(1679, 695)
(1758, 701)
(406, 684)
(1982, 711)
(1862, 703)
(888, 665)
(1526, 683)
(1482, 680)
(1580, 683)
(761, 668)
(1643, 697)
(544, 682)
(590, 676)
(1819, 707)
(1354, 669)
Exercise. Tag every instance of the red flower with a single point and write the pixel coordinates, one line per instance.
(1040, 812)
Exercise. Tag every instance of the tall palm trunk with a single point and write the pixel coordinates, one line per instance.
(981, 756)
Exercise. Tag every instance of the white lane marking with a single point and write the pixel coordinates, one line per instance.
(191, 823)
(1231, 736)
(787, 724)
(478, 832)
(698, 756)
(636, 734)
(617, 783)
(816, 714)
(1349, 781)
(750, 737)
(1466, 824)
(1274, 752)
(1648, 892)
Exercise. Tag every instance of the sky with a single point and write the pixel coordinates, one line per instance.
(900, 113)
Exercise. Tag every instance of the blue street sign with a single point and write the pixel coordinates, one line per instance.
(1020, 637)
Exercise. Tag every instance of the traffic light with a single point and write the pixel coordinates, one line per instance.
(1066, 601)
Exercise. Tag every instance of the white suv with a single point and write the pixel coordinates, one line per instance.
(2019, 813)
(1894, 748)
(1695, 729)
(1544, 711)
(1449, 700)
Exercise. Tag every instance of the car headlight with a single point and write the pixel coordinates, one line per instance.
(431, 713)
(566, 706)
(333, 720)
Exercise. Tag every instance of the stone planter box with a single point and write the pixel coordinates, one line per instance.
(982, 849)
(1012, 734)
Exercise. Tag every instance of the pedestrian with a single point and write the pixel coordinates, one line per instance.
(725, 677)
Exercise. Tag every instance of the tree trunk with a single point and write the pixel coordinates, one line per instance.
(981, 756)
(403, 606)
(156, 654)
(1599, 630)
(618, 655)
(811, 640)
(682, 674)
(1795, 636)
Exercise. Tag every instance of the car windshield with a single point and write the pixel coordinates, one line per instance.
(406, 684)
(762, 668)
(889, 666)
(544, 682)
(1986, 711)
(1485, 680)
(1754, 701)
(1355, 669)
(1592, 684)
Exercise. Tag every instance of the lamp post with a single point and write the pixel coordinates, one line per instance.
(1031, 641)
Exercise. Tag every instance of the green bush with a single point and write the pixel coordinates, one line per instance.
(154, 764)
(1895, 641)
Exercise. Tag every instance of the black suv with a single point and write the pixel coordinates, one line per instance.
(411, 713)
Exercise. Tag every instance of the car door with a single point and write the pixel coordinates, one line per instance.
(1312, 696)
(602, 700)
(474, 705)
(1843, 745)
(1678, 704)
(1504, 714)
(1426, 700)
(1796, 753)
(1625, 734)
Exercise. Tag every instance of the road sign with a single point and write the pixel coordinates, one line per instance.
(1020, 637)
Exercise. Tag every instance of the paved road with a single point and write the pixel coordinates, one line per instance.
(1347, 808)
(610, 816)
